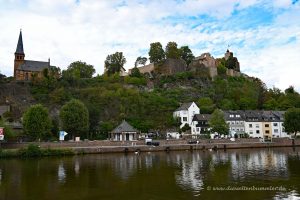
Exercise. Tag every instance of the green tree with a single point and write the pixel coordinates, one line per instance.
(36, 122)
(207, 105)
(78, 70)
(140, 61)
(186, 54)
(8, 132)
(292, 120)
(156, 53)
(271, 104)
(75, 118)
(114, 63)
(185, 128)
(231, 63)
(217, 122)
(172, 51)
(135, 72)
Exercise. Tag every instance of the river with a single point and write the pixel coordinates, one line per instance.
(233, 174)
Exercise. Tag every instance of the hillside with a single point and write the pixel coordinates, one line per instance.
(146, 103)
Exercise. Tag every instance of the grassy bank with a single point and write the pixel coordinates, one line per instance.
(34, 151)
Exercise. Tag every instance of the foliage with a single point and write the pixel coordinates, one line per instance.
(231, 63)
(77, 70)
(34, 150)
(206, 105)
(114, 63)
(156, 53)
(218, 123)
(222, 67)
(291, 120)
(36, 122)
(186, 54)
(185, 128)
(172, 51)
(140, 61)
(75, 118)
(135, 72)
(135, 80)
(8, 132)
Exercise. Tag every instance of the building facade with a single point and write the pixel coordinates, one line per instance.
(124, 132)
(236, 122)
(200, 124)
(186, 112)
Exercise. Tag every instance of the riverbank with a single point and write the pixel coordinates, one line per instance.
(93, 147)
(34, 151)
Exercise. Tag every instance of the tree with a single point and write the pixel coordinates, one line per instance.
(140, 61)
(78, 70)
(218, 123)
(114, 63)
(8, 132)
(75, 118)
(36, 122)
(292, 121)
(290, 90)
(172, 51)
(135, 72)
(156, 53)
(186, 54)
(207, 105)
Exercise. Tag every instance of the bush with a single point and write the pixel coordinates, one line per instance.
(31, 151)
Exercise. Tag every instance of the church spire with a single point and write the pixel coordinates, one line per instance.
(20, 49)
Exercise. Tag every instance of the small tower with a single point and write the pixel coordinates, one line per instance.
(19, 54)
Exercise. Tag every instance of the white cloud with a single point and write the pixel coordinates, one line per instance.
(90, 30)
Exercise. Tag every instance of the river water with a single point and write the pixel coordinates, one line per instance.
(234, 174)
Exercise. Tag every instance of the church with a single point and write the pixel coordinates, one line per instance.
(27, 70)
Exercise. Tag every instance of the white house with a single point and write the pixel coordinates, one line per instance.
(186, 113)
(277, 125)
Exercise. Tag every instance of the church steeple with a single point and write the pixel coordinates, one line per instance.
(20, 49)
(19, 54)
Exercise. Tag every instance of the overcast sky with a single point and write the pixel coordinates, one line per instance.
(263, 34)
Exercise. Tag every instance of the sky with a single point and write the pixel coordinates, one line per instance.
(263, 34)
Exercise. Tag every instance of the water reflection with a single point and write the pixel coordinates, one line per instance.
(77, 167)
(61, 172)
(190, 174)
(174, 175)
(265, 164)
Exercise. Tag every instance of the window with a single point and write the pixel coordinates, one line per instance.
(266, 125)
(257, 131)
(242, 129)
(231, 116)
(232, 122)
(267, 132)
(275, 124)
(198, 129)
(237, 116)
(237, 129)
(250, 125)
(184, 119)
(275, 130)
(257, 126)
(237, 122)
(251, 132)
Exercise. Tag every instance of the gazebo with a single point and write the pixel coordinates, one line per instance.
(124, 132)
